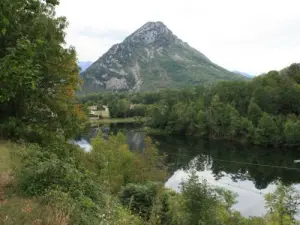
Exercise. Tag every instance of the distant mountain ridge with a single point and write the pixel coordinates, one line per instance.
(84, 65)
(244, 74)
(152, 58)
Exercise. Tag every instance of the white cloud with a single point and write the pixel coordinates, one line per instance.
(252, 36)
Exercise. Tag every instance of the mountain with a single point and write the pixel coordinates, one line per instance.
(244, 74)
(84, 65)
(152, 58)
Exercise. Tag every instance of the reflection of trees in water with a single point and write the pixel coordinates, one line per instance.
(218, 156)
(195, 153)
(136, 140)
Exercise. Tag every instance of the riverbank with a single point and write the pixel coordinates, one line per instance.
(153, 131)
(157, 131)
(117, 120)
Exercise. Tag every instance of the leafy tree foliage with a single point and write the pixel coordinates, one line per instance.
(267, 131)
(38, 75)
(254, 112)
(292, 132)
(282, 205)
(115, 165)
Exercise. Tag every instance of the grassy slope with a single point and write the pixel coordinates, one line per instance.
(18, 210)
(4, 157)
(13, 208)
(11, 155)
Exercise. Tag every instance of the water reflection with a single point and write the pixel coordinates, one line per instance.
(250, 201)
(249, 171)
(136, 140)
(83, 143)
(260, 165)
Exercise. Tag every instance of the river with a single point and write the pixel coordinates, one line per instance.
(249, 171)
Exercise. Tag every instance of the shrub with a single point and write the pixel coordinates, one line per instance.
(139, 198)
(52, 172)
(116, 166)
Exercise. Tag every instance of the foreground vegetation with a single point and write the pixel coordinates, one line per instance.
(264, 111)
(61, 184)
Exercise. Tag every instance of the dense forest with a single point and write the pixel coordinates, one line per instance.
(44, 179)
(263, 111)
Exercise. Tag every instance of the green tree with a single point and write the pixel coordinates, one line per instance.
(159, 115)
(244, 129)
(203, 204)
(112, 161)
(115, 165)
(200, 201)
(282, 205)
(202, 123)
(182, 119)
(38, 75)
(293, 71)
(124, 107)
(254, 112)
(292, 132)
(214, 116)
(138, 110)
(223, 119)
(267, 131)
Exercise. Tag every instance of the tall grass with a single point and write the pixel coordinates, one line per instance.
(15, 209)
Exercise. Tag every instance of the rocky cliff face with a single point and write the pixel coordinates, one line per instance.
(152, 58)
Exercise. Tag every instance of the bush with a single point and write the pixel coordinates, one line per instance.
(115, 165)
(53, 172)
(139, 198)
(116, 213)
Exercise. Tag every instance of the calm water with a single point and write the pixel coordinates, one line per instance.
(251, 172)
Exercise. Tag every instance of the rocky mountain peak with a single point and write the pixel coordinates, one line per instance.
(152, 24)
(151, 32)
(152, 58)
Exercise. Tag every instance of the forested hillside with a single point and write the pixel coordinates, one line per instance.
(263, 111)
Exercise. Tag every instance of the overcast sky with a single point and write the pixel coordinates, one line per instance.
(251, 36)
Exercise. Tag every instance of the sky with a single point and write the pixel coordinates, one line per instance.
(252, 36)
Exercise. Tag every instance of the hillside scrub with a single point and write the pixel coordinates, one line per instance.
(54, 178)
